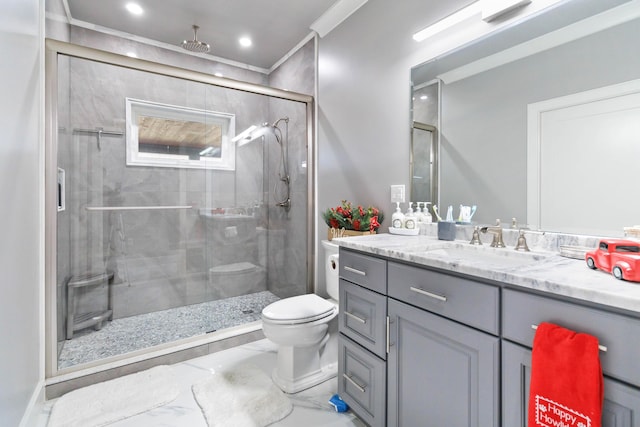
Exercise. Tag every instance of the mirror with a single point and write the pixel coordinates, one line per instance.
(490, 94)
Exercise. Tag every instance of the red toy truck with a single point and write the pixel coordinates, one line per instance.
(618, 257)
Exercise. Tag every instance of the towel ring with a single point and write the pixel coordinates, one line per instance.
(602, 348)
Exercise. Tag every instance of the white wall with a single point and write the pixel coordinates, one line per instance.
(21, 254)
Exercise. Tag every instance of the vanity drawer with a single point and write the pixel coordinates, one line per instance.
(618, 333)
(364, 270)
(466, 301)
(362, 382)
(362, 317)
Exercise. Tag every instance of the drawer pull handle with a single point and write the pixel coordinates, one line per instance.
(354, 317)
(429, 294)
(353, 270)
(601, 347)
(355, 384)
(388, 335)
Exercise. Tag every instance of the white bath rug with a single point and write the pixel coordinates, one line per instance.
(241, 397)
(114, 400)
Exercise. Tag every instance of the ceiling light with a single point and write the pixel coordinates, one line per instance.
(448, 22)
(134, 8)
(423, 97)
(245, 41)
(218, 74)
(132, 55)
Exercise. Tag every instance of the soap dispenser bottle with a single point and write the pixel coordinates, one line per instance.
(409, 218)
(397, 219)
(428, 218)
(419, 214)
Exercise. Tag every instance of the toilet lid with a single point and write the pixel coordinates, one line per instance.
(298, 309)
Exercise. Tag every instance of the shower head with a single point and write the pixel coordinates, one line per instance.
(196, 45)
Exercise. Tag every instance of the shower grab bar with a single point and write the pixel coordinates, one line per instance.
(133, 208)
(600, 346)
(100, 132)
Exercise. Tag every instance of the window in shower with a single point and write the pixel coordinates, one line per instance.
(149, 254)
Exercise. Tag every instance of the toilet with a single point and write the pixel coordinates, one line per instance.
(305, 329)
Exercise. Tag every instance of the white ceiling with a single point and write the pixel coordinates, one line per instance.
(275, 26)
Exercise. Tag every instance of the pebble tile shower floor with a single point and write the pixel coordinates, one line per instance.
(146, 330)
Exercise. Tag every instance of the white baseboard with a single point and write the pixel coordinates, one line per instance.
(34, 412)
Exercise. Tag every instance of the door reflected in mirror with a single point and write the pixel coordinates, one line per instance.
(424, 144)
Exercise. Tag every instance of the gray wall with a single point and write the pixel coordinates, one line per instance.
(21, 254)
(363, 103)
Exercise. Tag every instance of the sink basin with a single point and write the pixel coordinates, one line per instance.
(484, 255)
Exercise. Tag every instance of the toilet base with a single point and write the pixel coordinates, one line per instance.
(312, 379)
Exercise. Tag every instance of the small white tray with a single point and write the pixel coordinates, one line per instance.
(404, 231)
(575, 252)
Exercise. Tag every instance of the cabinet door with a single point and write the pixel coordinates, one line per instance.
(621, 406)
(440, 373)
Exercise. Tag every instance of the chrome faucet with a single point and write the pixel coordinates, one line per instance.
(496, 230)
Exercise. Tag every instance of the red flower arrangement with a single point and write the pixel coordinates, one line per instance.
(358, 219)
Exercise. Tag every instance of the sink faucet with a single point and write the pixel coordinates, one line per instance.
(496, 230)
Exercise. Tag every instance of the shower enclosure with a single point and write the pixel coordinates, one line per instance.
(164, 222)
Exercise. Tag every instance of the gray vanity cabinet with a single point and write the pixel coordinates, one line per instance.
(619, 356)
(439, 372)
(417, 347)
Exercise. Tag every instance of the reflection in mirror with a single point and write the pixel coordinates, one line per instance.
(483, 131)
(424, 144)
(423, 152)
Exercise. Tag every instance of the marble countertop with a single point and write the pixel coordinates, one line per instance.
(550, 273)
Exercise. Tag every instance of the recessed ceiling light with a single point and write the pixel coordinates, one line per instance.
(134, 8)
(245, 41)
(132, 54)
(218, 74)
(423, 97)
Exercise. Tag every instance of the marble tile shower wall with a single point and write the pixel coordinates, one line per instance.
(296, 74)
(161, 259)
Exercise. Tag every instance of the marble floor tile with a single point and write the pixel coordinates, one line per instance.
(310, 407)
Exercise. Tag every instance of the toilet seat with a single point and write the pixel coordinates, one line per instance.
(297, 310)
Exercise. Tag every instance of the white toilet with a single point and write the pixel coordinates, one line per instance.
(300, 327)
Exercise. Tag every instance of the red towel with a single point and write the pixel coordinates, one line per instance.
(566, 379)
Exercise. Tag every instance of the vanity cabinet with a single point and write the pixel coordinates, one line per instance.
(419, 347)
(619, 356)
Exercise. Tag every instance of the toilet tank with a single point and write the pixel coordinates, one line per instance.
(331, 268)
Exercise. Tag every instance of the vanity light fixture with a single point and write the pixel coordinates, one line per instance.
(448, 22)
(245, 41)
(134, 9)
